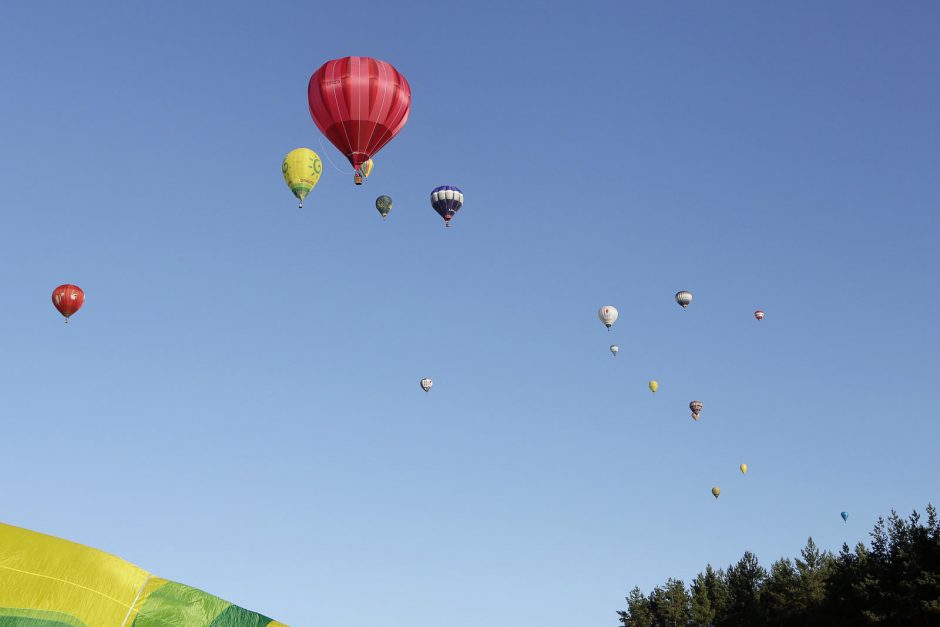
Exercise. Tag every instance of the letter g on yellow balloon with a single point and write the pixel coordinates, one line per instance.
(301, 168)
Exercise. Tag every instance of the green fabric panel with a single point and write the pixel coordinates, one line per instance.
(235, 616)
(174, 604)
(15, 617)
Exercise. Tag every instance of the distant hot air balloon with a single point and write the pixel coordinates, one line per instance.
(48, 581)
(447, 201)
(696, 407)
(301, 168)
(759, 314)
(684, 299)
(614, 349)
(384, 205)
(608, 315)
(743, 469)
(716, 491)
(68, 299)
(367, 168)
(426, 384)
(360, 104)
(845, 517)
(654, 385)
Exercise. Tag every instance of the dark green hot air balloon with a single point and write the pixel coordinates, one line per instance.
(384, 205)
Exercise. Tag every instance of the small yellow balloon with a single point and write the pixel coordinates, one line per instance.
(367, 168)
(743, 469)
(716, 491)
(654, 385)
(301, 168)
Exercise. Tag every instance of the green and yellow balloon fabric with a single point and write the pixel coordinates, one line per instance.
(302, 168)
(50, 582)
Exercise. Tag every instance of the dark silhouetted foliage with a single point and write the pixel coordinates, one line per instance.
(895, 581)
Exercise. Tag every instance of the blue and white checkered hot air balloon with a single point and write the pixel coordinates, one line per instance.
(446, 200)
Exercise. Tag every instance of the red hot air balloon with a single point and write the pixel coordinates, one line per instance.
(759, 315)
(68, 299)
(360, 104)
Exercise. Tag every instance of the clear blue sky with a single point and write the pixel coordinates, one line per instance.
(237, 405)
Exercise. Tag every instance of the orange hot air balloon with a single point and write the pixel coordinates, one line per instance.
(68, 299)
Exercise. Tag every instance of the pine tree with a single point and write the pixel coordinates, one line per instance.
(716, 584)
(744, 583)
(814, 569)
(638, 612)
(780, 593)
(670, 605)
(701, 612)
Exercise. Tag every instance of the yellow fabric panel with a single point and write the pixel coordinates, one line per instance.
(41, 572)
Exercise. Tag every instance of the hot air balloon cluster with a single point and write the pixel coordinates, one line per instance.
(608, 315)
(359, 104)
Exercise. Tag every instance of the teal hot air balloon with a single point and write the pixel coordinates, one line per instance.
(845, 517)
(384, 204)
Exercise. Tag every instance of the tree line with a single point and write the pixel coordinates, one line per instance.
(894, 581)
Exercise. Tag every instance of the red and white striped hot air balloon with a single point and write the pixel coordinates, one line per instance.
(759, 314)
(68, 299)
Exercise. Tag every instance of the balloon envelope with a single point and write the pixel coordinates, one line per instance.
(654, 385)
(446, 201)
(759, 314)
(426, 384)
(384, 205)
(614, 349)
(47, 581)
(716, 491)
(845, 516)
(684, 298)
(68, 299)
(360, 104)
(301, 168)
(367, 168)
(608, 315)
(743, 469)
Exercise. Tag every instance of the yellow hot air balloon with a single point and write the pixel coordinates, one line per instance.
(302, 168)
(654, 385)
(50, 581)
(743, 469)
(716, 491)
(367, 168)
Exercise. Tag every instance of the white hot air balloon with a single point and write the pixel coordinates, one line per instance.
(684, 299)
(608, 315)
(614, 349)
(426, 384)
